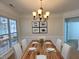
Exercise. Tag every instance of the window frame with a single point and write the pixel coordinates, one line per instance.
(9, 34)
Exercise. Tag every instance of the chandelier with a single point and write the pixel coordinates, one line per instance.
(40, 14)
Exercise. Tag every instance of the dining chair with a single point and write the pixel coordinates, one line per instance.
(66, 51)
(54, 41)
(59, 44)
(24, 44)
(17, 51)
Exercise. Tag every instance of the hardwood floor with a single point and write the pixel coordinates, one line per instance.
(74, 54)
(12, 56)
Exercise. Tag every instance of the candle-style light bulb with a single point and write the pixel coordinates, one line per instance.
(34, 13)
(47, 13)
(45, 16)
(39, 11)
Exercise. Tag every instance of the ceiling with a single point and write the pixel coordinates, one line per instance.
(54, 6)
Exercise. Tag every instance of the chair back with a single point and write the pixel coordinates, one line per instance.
(58, 44)
(17, 51)
(24, 44)
(66, 51)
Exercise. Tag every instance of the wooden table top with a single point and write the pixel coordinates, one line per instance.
(41, 50)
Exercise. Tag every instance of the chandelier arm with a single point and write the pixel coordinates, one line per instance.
(41, 14)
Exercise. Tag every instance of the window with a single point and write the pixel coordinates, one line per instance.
(8, 34)
(3, 26)
(72, 28)
(13, 31)
(71, 31)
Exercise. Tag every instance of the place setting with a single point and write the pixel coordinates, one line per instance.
(50, 50)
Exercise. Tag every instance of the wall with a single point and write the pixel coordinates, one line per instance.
(74, 13)
(6, 11)
(70, 14)
(55, 26)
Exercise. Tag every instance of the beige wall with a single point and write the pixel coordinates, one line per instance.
(55, 22)
(55, 26)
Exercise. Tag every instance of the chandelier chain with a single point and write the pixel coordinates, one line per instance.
(41, 3)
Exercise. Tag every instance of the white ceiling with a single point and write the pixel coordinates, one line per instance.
(54, 6)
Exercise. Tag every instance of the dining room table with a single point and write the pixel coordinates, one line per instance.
(45, 48)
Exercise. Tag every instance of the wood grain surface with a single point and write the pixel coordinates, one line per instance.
(41, 50)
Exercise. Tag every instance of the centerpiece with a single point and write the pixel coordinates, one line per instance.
(41, 41)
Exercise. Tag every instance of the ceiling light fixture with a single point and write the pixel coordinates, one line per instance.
(40, 14)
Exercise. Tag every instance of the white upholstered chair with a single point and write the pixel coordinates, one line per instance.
(66, 51)
(17, 51)
(58, 44)
(24, 44)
